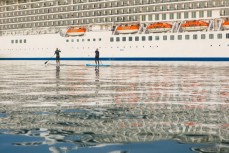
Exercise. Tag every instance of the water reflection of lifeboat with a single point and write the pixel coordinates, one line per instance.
(159, 27)
(226, 24)
(76, 31)
(194, 25)
(127, 29)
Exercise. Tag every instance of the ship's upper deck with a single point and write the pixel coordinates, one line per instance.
(16, 15)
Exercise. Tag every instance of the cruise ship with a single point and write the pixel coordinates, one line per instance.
(122, 30)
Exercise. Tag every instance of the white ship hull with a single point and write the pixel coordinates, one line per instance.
(43, 47)
(33, 30)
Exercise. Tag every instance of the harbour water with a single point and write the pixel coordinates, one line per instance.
(161, 107)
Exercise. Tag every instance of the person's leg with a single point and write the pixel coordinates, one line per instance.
(96, 61)
(58, 61)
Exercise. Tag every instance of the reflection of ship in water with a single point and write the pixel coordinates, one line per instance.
(217, 149)
(214, 143)
(84, 126)
(97, 83)
(57, 79)
(57, 72)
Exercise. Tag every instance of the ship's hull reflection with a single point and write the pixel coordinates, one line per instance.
(86, 126)
(124, 108)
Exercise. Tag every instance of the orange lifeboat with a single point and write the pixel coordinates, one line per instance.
(159, 27)
(226, 24)
(127, 29)
(195, 25)
(76, 31)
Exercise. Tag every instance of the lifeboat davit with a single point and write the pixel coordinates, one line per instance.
(194, 25)
(76, 31)
(127, 29)
(159, 27)
(226, 25)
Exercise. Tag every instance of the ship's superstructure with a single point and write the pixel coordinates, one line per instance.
(121, 29)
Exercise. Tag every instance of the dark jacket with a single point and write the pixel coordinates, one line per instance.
(96, 54)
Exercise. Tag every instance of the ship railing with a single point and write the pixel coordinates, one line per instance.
(98, 30)
(28, 32)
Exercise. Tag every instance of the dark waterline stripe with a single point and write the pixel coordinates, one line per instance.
(133, 59)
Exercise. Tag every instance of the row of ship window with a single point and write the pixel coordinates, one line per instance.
(83, 40)
(150, 38)
(142, 38)
(165, 37)
(55, 8)
(150, 17)
(90, 12)
(18, 41)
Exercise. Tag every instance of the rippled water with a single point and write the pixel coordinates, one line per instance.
(157, 107)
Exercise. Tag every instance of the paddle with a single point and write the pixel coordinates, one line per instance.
(49, 59)
(101, 62)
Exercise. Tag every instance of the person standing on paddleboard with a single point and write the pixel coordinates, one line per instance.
(57, 53)
(97, 56)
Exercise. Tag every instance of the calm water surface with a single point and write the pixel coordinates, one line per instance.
(157, 107)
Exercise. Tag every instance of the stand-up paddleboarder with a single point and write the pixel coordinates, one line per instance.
(97, 56)
(57, 53)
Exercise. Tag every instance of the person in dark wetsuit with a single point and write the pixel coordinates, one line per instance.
(57, 53)
(97, 56)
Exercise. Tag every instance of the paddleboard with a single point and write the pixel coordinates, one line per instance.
(101, 65)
